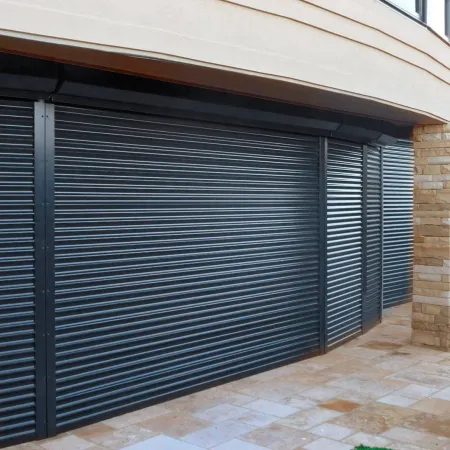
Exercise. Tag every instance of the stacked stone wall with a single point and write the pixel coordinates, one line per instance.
(431, 285)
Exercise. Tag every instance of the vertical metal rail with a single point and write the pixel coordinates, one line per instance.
(382, 229)
(419, 9)
(447, 18)
(50, 263)
(39, 270)
(364, 238)
(424, 11)
(323, 158)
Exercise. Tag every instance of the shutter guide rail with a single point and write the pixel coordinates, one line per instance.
(40, 268)
(382, 230)
(364, 239)
(323, 242)
(50, 264)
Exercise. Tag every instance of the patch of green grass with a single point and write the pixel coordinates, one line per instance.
(362, 447)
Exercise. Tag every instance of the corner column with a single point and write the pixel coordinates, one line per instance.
(431, 285)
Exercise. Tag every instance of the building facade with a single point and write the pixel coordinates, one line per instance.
(195, 191)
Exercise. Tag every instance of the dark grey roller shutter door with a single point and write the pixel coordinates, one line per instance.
(344, 241)
(398, 180)
(185, 253)
(372, 298)
(17, 296)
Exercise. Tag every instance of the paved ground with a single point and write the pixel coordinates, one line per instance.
(376, 390)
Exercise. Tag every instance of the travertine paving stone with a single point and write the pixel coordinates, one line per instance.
(237, 444)
(332, 431)
(174, 424)
(340, 405)
(397, 400)
(279, 437)
(217, 434)
(367, 440)
(420, 438)
(327, 444)
(304, 420)
(268, 407)
(416, 391)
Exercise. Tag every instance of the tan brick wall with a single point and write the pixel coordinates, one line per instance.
(430, 325)
(431, 286)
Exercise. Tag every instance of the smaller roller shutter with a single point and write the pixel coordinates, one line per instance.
(373, 205)
(398, 173)
(344, 241)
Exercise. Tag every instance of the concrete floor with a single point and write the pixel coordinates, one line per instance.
(376, 390)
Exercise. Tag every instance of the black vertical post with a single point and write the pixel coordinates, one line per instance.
(50, 264)
(323, 161)
(447, 18)
(424, 11)
(39, 270)
(382, 230)
(364, 240)
(419, 8)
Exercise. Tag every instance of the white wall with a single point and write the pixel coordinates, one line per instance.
(360, 48)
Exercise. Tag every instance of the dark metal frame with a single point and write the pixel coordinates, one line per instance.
(364, 241)
(323, 158)
(50, 262)
(382, 230)
(421, 9)
(40, 269)
(447, 18)
(77, 85)
(282, 120)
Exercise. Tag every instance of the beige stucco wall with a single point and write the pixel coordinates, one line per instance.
(360, 48)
